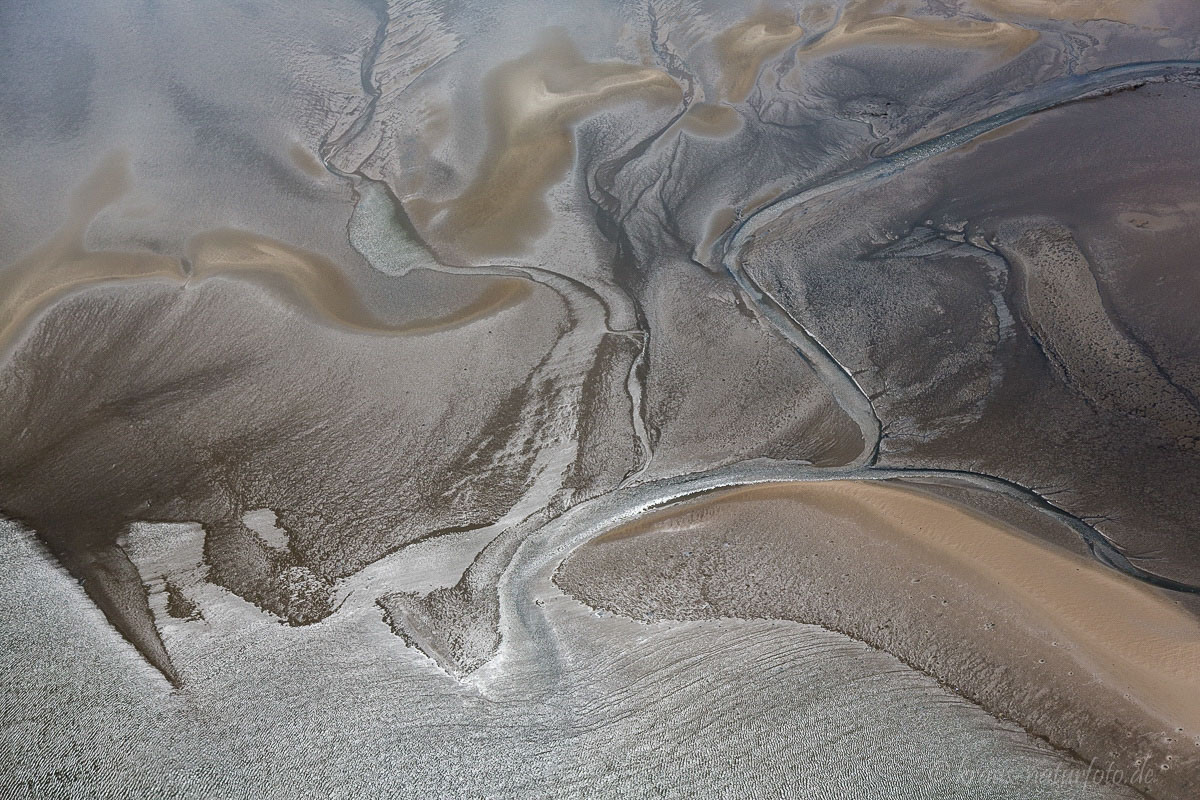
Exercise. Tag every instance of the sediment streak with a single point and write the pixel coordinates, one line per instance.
(519, 563)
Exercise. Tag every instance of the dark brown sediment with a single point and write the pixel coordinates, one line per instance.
(869, 22)
(64, 265)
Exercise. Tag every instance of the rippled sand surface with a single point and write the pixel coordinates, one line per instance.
(600, 399)
(1021, 625)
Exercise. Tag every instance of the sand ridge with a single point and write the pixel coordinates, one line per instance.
(1093, 660)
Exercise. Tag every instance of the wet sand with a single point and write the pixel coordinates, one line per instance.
(391, 307)
(315, 282)
(146, 341)
(709, 119)
(1076, 652)
(64, 265)
(866, 22)
(530, 106)
(743, 49)
(1067, 314)
(947, 397)
(1118, 10)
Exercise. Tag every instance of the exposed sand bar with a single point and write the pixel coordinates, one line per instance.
(1089, 658)
(1117, 10)
(866, 22)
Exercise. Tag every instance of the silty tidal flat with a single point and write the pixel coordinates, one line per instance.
(600, 399)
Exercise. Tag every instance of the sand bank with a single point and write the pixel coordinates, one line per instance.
(1093, 661)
